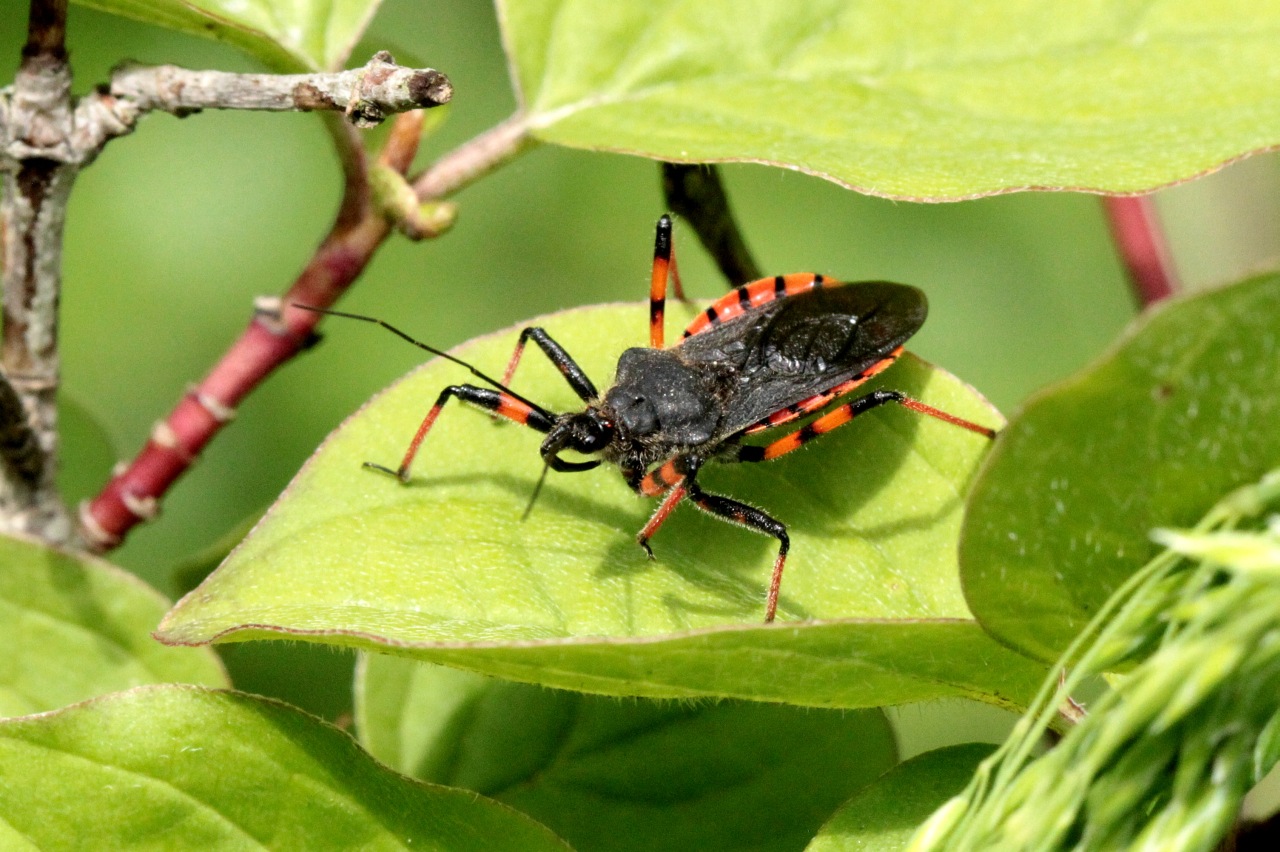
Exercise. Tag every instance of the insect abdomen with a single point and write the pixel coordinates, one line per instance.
(797, 347)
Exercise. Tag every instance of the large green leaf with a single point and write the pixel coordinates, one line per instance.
(941, 100)
(72, 627)
(885, 815)
(444, 569)
(1182, 411)
(612, 775)
(184, 767)
(295, 36)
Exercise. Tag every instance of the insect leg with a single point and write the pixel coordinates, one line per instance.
(664, 265)
(668, 479)
(752, 518)
(842, 415)
(676, 479)
(499, 402)
(573, 374)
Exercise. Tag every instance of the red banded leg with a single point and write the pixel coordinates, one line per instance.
(842, 415)
(664, 266)
(659, 517)
(751, 296)
(676, 479)
(498, 402)
(669, 479)
(573, 374)
(753, 519)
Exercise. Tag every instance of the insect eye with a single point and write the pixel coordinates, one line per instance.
(594, 436)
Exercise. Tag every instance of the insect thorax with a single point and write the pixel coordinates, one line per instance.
(658, 398)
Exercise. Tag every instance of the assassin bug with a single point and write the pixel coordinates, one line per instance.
(764, 355)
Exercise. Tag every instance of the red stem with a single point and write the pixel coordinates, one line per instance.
(1135, 227)
(276, 333)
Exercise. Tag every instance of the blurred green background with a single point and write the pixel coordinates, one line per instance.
(175, 229)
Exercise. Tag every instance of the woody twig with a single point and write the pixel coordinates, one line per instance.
(378, 197)
(46, 137)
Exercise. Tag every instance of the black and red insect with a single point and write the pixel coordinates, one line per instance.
(765, 355)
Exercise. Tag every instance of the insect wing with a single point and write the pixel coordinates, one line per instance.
(794, 348)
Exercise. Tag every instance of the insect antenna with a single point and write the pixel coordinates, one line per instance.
(434, 351)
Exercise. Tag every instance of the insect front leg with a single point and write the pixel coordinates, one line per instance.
(500, 403)
(668, 479)
(556, 354)
(838, 417)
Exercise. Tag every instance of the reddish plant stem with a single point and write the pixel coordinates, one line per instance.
(279, 331)
(45, 138)
(1140, 242)
(276, 333)
(474, 159)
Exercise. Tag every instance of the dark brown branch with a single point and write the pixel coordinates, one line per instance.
(19, 446)
(1257, 836)
(1140, 242)
(46, 31)
(696, 193)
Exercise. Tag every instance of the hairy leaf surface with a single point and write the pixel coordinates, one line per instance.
(1182, 411)
(631, 774)
(445, 569)
(942, 100)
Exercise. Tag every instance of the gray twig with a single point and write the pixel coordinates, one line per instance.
(365, 95)
(39, 164)
(46, 137)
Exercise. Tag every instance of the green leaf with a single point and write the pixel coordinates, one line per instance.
(445, 570)
(304, 35)
(189, 571)
(615, 775)
(85, 451)
(1182, 411)
(885, 815)
(73, 627)
(184, 767)
(943, 100)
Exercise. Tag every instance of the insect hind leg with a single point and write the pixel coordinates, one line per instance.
(838, 417)
(752, 518)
